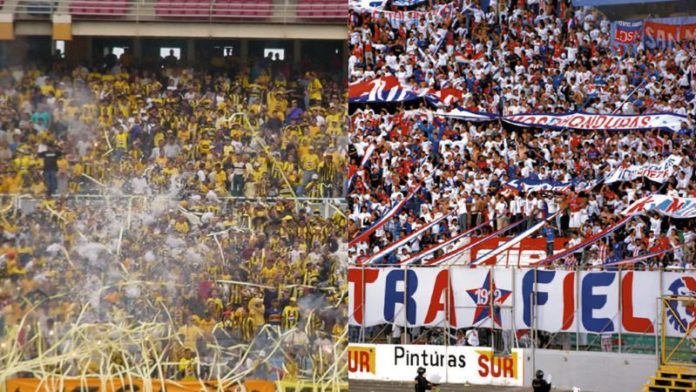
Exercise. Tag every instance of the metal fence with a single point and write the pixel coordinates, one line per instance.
(506, 337)
(26, 204)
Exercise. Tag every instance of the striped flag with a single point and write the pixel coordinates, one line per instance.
(403, 241)
(456, 252)
(384, 219)
(585, 243)
(435, 248)
(512, 242)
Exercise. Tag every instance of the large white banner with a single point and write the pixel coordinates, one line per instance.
(453, 364)
(676, 207)
(591, 122)
(658, 172)
(560, 301)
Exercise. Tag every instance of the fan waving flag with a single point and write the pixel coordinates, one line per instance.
(383, 89)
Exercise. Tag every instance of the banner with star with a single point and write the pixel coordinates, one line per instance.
(516, 298)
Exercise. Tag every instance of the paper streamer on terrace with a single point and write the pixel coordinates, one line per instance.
(566, 301)
(675, 207)
(384, 219)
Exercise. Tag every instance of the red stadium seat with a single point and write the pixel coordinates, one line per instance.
(183, 8)
(243, 9)
(106, 8)
(318, 9)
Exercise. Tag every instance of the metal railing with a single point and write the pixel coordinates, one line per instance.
(24, 203)
(211, 11)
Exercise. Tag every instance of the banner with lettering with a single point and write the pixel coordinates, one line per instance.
(532, 185)
(675, 207)
(444, 364)
(407, 3)
(626, 35)
(367, 4)
(590, 122)
(660, 35)
(561, 301)
(658, 172)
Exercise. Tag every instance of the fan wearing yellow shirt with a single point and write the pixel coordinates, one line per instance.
(314, 89)
(291, 314)
(187, 366)
(333, 121)
(12, 182)
(120, 145)
(309, 164)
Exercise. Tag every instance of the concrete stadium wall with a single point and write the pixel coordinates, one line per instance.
(190, 30)
(592, 371)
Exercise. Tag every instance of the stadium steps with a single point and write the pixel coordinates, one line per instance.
(9, 6)
(671, 378)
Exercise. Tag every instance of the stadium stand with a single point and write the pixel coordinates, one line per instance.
(330, 9)
(526, 59)
(235, 8)
(109, 8)
(220, 164)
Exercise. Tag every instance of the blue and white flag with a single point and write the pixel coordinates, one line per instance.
(532, 185)
(381, 90)
(626, 35)
(367, 4)
(467, 115)
(408, 3)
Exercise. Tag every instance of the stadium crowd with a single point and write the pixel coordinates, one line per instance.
(514, 57)
(256, 130)
(116, 183)
(219, 273)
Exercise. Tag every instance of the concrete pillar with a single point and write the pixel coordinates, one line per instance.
(296, 51)
(190, 51)
(90, 52)
(137, 49)
(244, 50)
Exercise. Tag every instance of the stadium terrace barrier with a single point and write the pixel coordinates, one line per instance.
(566, 301)
(266, 11)
(453, 364)
(113, 385)
(327, 207)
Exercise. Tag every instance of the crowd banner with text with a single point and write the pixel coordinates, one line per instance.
(407, 3)
(660, 35)
(453, 364)
(533, 185)
(658, 172)
(591, 122)
(566, 301)
(367, 4)
(675, 207)
(626, 35)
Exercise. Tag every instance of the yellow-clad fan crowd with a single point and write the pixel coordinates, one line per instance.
(177, 221)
